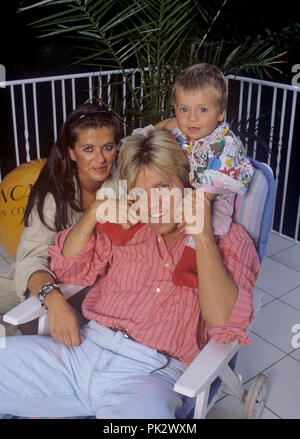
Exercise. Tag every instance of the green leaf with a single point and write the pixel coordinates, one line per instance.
(44, 3)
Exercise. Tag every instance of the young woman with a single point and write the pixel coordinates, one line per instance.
(81, 162)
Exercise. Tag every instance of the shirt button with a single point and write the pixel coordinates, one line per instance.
(158, 239)
(157, 290)
(166, 265)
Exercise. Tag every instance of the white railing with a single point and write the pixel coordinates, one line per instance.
(38, 107)
(97, 84)
(274, 105)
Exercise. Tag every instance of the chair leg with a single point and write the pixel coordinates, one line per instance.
(43, 326)
(233, 382)
(201, 405)
(2, 337)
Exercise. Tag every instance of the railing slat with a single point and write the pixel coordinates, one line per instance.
(257, 118)
(124, 89)
(13, 108)
(248, 113)
(274, 100)
(241, 100)
(36, 123)
(26, 132)
(280, 136)
(73, 94)
(63, 97)
(109, 90)
(288, 159)
(54, 110)
(100, 88)
(90, 89)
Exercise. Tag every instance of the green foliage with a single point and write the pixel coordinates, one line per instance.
(159, 37)
(283, 37)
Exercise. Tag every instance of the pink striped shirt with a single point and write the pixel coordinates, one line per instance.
(134, 290)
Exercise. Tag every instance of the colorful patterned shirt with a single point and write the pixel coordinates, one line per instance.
(217, 160)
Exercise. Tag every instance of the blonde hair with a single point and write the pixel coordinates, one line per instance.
(157, 149)
(200, 76)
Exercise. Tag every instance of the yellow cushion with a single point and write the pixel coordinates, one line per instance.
(14, 192)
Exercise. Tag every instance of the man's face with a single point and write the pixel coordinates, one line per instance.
(161, 211)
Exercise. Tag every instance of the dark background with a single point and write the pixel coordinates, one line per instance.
(24, 55)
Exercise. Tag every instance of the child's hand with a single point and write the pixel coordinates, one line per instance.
(167, 124)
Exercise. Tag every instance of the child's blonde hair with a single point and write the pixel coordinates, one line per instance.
(200, 76)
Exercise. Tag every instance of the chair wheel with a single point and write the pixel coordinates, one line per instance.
(255, 398)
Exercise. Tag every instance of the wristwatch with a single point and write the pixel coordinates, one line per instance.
(46, 289)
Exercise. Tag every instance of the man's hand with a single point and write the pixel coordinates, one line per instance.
(118, 212)
(63, 322)
(196, 213)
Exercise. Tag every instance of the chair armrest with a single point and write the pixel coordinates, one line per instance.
(205, 368)
(31, 308)
(26, 311)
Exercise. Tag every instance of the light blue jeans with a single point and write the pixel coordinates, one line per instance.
(107, 376)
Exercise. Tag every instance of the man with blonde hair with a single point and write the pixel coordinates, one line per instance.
(144, 330)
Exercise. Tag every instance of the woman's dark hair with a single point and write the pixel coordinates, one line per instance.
(57, 175)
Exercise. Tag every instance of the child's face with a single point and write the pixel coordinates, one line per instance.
(197, 111)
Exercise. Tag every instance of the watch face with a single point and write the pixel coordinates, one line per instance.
(47, 288)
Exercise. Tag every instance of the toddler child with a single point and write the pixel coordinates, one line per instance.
(217, 158)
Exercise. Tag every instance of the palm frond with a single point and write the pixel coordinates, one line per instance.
(163, 35)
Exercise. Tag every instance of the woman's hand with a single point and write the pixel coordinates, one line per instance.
(63, 321)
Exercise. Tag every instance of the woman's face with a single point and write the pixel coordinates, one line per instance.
(94, 153)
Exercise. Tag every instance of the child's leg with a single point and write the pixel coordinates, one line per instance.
(221, 215)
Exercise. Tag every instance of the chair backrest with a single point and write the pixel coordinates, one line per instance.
(254, 210)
